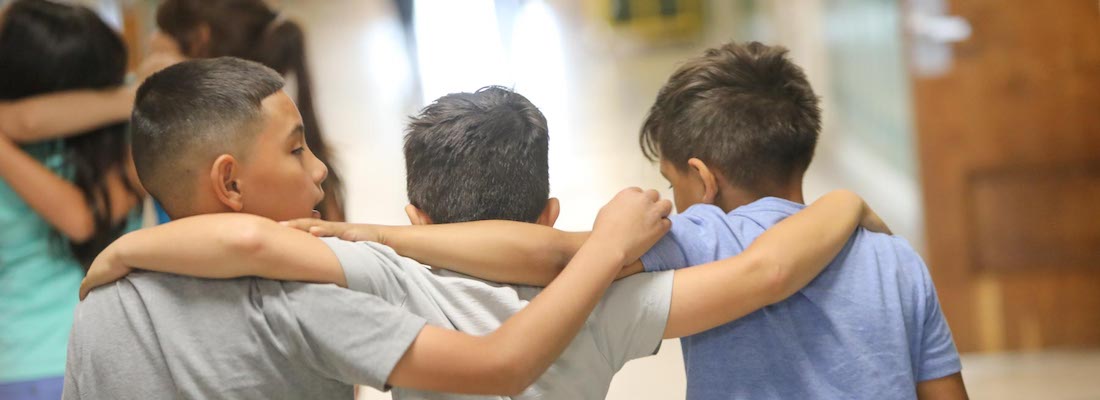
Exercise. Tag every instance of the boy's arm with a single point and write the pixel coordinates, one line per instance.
(503, 362)
(780, 262)
(218, 246)
(58, 201)
(499, 251)
(950, 387)
(67, 113)
(61, 114)
(528, 342)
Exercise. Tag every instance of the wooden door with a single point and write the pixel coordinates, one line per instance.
(1009, 152)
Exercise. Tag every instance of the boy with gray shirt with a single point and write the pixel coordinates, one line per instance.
(494, 122)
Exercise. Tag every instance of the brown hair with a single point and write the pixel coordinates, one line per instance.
(745, 110)
(251, 30)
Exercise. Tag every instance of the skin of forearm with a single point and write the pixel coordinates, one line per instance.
(61, 114)
(501, 251)
(553, 318)
(230, 246)
(56, 200)
(821, 231)
(508, 360)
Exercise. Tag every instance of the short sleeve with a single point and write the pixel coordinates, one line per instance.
(369, 269)
(348, 336)
(939, 357)
(692, 240)
(630, 320)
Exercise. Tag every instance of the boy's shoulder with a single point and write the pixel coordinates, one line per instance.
(890, 249)
(750, 219)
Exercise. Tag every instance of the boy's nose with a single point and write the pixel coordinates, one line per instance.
(320, 173)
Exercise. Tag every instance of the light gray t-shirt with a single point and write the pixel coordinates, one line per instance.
(627, 324)
(161, 336)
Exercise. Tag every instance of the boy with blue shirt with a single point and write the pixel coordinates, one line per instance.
(734, 131)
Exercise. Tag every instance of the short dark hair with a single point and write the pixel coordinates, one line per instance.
(188, 114)
(253, 30)
(745, 110)
(478, 156)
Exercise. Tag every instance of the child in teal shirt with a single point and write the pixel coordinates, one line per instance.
(61, 200)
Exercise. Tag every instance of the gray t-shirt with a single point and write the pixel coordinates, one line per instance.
(627, 324)
(160, 336)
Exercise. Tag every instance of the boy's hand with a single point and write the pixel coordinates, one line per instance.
(632, 222)
(342, 230)
(105, 269)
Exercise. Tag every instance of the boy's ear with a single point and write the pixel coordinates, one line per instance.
(708, 178)
(416, 216)
(550, 214)
(223, 179)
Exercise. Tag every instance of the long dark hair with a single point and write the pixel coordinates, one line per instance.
(251, 30)
(49, 47)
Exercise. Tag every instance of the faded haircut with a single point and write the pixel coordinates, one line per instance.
(188, 114)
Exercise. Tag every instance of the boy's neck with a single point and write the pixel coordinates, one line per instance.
(732, 197)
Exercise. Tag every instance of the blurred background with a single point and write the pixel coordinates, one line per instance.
(972, 127)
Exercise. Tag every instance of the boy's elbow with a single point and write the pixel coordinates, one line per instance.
(514, 373)
(517, 378)
(778, 280)
(248, 236)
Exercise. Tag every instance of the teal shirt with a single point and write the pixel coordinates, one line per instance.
(39, 282)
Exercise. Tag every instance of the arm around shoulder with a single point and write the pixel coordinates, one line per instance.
(219, 246)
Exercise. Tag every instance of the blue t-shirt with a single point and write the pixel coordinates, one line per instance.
(868, 327)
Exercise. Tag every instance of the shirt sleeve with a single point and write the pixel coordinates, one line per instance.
(939, 357)
(692, 240)
(630, 320)
(370, 268)
(348, 336)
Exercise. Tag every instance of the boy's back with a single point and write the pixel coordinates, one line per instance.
(627, 323)
(160, 336)
(869, 327)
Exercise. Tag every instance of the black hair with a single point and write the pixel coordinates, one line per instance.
(48, 47)
(251, 30)
(745, 110)
(190, 112)
(478, 156)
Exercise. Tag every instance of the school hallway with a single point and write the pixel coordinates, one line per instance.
(595, 84)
